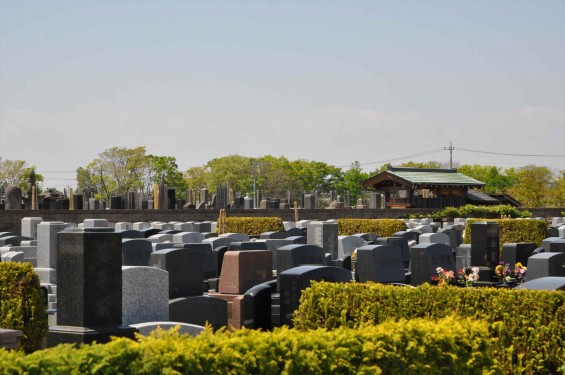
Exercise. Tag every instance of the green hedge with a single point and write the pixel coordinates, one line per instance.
(448, 346)
(511, 230)
(22, 304)
(252, 226)
(527, 327)
(471, 210)
(380, 227)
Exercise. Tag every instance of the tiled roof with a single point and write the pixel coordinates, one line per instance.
(434, 176)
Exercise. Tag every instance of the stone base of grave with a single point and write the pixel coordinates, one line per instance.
(82, 335)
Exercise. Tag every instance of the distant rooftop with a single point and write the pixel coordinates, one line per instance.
(425, 176)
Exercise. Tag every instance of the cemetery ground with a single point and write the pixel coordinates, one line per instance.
(259, 295)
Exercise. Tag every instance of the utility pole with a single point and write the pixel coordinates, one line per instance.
(450, 148)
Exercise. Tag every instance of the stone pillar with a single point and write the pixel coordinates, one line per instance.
(89, 288)
(13, 196)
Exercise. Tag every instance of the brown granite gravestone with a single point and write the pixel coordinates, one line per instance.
(242, 270)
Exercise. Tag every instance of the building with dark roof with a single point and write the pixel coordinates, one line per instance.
(423, 188)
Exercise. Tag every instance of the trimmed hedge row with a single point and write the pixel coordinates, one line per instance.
(527, 327)
(381, 227)
(22, 304)
(449, 346)
(471, 210)
(511, 230)
(252, 226)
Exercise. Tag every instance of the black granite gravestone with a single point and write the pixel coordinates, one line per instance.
(426, 257)
(513, 253)
(247, 245)
(199, 310)
(185, 270)
(484, 244)
(257, 307)
(294, 280)
(290, 256)
(130, 233)
(402, 244)
(557, 246)
(136, 252)
(410, 236)
(89, 288)
(544, 283)
(380, 263)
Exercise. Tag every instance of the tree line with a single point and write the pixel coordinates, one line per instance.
(119, 170)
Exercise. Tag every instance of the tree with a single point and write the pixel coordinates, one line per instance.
(196, 177)
(236, 171)
(531, 186)
(316, 175)
(351, 181)
(557, 191)
(496, 181)
(165, 169)
(17, 173)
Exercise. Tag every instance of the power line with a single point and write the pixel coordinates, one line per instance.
(399, 158)
(450, 148)
(509, 154)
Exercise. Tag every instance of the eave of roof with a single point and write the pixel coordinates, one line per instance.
(424, 177)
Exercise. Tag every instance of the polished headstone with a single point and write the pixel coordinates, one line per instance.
(144, 295)
(380, 263)
(186, 275)
(425, 258)
(199, 310)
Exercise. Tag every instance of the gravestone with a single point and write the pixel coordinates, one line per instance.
(141, 225)
(89, 288)
(291, 256)
(485, 244)
(186, 275)
(121, 226)
(242, 270)
(309, 201)
(29, 226)
(409, 235)
(13, 198)
(130, 234)
(145, 329)
(434, 238)
(544, 265)
(463, 256)
(379, 263)
(188, 237)
(425, 258)
(546, 243)
(375, 200)
(202, 227)
(247, 245)
(237, 237)
(323, 234)
(95, 223)
(160, 238)
(402, 244)
(455, 235)
(47, 249)
(544, 283)
(293, 281)
(144, 295)
(136, 252)
(199, 310)
(257, 309)
(557, 246)
(347, 244)
(215, 242)
(513, 253)
(184, 227)
(219, 253)
(222, 199)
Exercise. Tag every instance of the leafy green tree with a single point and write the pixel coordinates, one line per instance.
(17, 173)
(351, 181)
(165, 169)
(532, 184)
(196, 177)
(316, 175)
(495, 179)
(427, 164)
(236, 171)
(557, 191)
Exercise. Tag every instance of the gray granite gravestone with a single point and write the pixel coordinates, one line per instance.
(29, 226)
(380, 263)
(513, 253)
(544, 265)
(188, 237)
(347, 244)
(47, 249)
(544, 283)
(323, 234)
(145, 295)
(89, 288)
(425, 258)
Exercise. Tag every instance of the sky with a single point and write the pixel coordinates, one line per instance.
(334, 81)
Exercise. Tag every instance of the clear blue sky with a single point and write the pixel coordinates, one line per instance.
(333, 81)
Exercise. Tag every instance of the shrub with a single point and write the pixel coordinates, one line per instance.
(513, 230)
(448, 346)
(525, 326)
(380, 227)
(22, 304)
(253, 226)
(472, 211)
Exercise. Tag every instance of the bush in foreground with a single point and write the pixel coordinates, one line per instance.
(448, 346)
(527, 327)
(22, 304)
